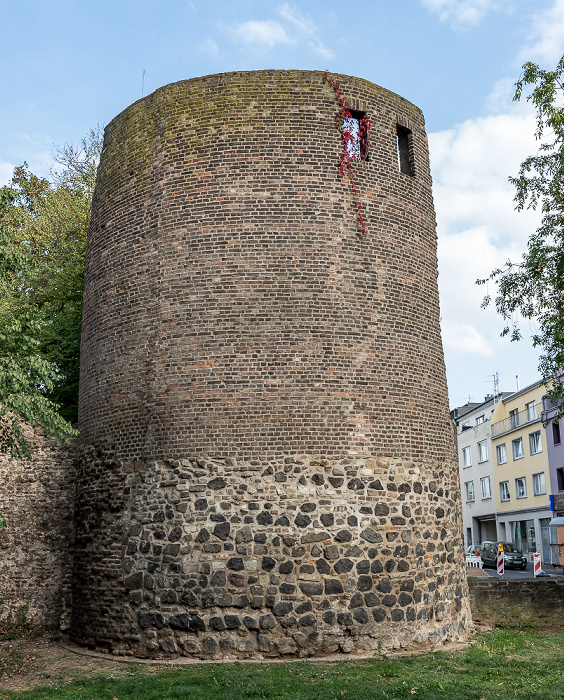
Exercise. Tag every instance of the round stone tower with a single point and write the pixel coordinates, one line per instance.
(266, 465)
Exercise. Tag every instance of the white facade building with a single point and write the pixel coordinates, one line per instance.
(479, 496)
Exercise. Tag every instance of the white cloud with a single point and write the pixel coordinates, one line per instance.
(6, 172)
(478, 231)
(471, 163)
(209, 46)
(500, 96)
(464, 12)
(295, 17)
(546, 40)
(465, 338)
(306, 29)
(262, 33)
(291, 29)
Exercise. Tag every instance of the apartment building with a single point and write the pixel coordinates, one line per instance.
(521, 471)
(476, 468)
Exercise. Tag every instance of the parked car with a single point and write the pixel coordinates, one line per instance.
(512, 557)
(473, 549)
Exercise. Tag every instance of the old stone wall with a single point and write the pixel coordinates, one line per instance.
(298, 556)
(266, 464)
(539, 602)
(37, 502)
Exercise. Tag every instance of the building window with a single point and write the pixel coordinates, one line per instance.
(480, 419)
(521, 487)
(517, 446)
(483, 451)
(355, 131)
(535, 442)
(531, 411)
(539, 485)
(469, 490)
(556, 432)
(514, 418)
(486, 487)
(504, 494)
(466, 457)
(501, 454)
(403, 145)
(466, 425)
(560, 478)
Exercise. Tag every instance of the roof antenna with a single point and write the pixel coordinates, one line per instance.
(496, 386)
(143, 83)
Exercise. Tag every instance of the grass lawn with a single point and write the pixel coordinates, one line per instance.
(501, 664)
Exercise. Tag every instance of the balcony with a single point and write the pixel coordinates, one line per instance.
(517, 420)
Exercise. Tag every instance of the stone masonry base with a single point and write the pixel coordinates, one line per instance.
(297, 556)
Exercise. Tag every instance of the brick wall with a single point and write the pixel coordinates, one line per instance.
(518, 601)
(234, 305)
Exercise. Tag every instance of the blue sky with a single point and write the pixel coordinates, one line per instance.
(68, 65)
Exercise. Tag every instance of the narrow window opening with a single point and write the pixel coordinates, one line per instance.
(403, 143)
(556, 432)
(355, 134)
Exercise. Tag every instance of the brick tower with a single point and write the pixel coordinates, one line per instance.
(266, 460)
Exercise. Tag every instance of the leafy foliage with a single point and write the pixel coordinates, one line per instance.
(43, 226)
(356, 137)
(534, 287)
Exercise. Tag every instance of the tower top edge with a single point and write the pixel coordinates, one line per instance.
(263, 75)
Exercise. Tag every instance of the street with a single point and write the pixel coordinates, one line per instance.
(528, 573)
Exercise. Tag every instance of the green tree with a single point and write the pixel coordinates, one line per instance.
(43, 226)
(534, 287)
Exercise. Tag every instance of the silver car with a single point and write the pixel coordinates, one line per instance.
(512, 557)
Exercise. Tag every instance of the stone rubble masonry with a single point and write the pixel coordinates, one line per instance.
(37, 502)
(265, 464)
(299, 556)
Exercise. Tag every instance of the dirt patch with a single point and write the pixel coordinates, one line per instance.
(26, 663)
(40, 661)
(476, 572)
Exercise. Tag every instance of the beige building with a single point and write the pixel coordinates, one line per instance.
(521, 474)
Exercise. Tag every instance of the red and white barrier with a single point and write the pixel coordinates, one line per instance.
(537, 563)
(500, 564)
